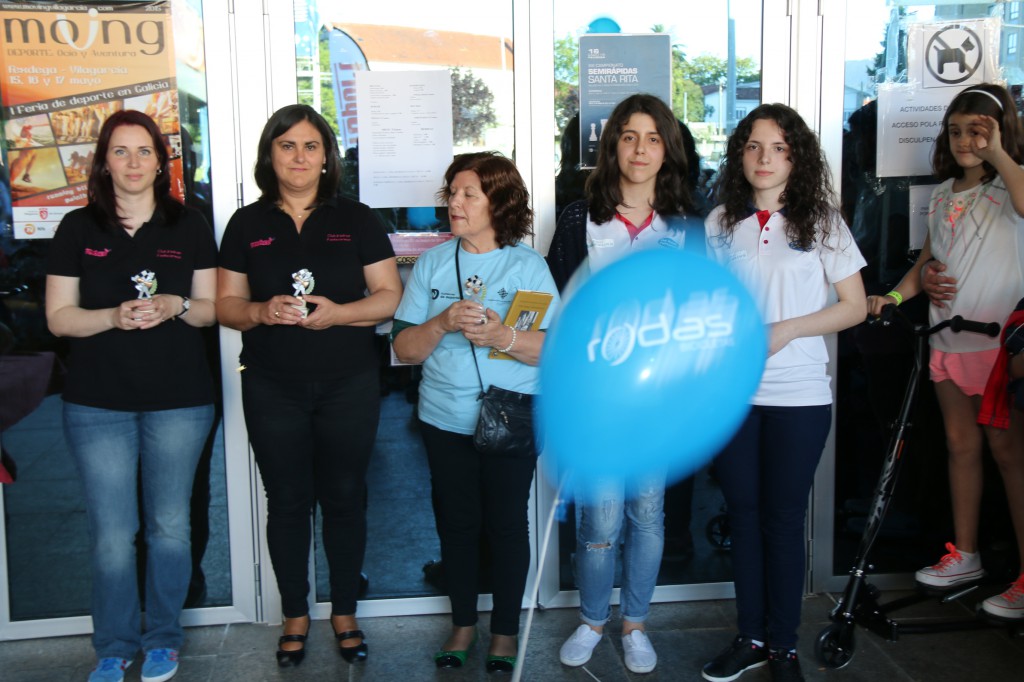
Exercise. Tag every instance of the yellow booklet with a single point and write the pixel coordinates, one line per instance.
(525, 314)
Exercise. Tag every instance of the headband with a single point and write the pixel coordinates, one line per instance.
(987, 94)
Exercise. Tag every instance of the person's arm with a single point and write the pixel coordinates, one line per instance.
(495, 334)
(909, 287)
(385, 287)
(237, 311)
(414, 344)
(848, 311)
(65, 317)
(987, 145)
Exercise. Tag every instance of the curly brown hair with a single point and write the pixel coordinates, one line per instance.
(511, 215)
(809, 198)
(977, 100)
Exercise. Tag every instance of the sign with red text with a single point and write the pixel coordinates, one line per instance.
(64, 69)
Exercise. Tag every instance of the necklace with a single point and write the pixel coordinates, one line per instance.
(957, 208)
(297, 215)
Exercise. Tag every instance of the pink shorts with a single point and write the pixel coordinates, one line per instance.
(969, 371)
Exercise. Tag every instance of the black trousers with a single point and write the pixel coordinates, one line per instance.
(473, 492)
(312, 441)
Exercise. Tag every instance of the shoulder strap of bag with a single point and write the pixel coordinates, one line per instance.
(472, 350)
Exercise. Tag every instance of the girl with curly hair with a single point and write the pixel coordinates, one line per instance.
(779, 231)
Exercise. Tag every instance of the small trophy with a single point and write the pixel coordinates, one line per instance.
(302, 284)
(145, 284)
(474, 289)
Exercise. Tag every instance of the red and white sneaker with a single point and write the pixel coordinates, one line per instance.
(1009, 604)
(954, 568)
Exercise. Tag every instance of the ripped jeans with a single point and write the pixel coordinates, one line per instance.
(601, 508)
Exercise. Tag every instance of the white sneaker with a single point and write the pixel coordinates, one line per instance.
(954, 568)
(1009, 604)
(638, 652)
(577, 649)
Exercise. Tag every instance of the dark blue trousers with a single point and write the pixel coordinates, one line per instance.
(766, 474)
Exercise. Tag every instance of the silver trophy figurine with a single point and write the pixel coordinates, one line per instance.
(145, 284)
(302, 284)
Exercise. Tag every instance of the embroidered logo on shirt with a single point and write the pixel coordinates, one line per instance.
(339, 237)
(99, 253)
(668, 243)
(168, 253)
(503, 292)
(261, 242)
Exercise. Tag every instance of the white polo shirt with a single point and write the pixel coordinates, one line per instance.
(610, 241)
(984, 250)
(787, 282)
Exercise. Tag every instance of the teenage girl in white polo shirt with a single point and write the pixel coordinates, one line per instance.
(976, 230)
(778, 230)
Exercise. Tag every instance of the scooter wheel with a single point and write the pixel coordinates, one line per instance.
(718, 532)
(834, 647)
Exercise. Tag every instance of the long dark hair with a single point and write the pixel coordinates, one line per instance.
(671, 189)
(277, 125)
(808, 197)
(501, 183)
(101, 185)
(974, 100)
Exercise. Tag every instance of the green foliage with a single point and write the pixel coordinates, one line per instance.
(567, 80)
(472, 107)
(708, 69)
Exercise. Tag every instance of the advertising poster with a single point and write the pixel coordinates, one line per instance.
(63, 70)
(614, 66)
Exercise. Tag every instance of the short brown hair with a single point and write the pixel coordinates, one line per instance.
(511, 215)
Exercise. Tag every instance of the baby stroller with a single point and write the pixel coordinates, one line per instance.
(859, 605)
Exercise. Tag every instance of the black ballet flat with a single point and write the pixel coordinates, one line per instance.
(352, 654)
(290, 659)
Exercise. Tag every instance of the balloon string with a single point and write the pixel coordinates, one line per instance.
(517, 673)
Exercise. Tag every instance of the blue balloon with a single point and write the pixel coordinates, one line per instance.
(603, 25)
(650, 366)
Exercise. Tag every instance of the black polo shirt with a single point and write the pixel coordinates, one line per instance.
(337, 240)
(135, 370)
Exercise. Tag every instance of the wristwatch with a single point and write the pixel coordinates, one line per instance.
(186, 305)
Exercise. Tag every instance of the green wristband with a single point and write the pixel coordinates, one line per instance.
(896, 296)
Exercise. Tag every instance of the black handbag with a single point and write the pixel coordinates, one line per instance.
(505, 425)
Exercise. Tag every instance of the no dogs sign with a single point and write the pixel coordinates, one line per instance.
(955, 54)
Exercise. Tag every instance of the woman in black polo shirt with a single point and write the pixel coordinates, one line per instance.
(305, 276)
(131, 278)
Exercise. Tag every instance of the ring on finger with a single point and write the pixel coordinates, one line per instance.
(277, 313)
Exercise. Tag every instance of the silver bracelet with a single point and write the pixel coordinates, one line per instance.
(511, 343)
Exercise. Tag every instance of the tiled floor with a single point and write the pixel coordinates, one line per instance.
(684, 634)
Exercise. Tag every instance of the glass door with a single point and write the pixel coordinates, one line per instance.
(44, 563)
(881, 154)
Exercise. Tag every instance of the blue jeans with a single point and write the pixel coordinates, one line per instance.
(601, 507)
(766, 474)
(113, 451)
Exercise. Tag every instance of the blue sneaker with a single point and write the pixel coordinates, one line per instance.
(160, 665)
(109, 670)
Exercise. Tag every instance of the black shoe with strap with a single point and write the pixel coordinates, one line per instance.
(352, 654)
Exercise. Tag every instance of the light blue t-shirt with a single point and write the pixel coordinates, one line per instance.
(449, 387)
